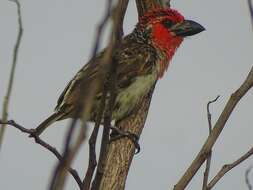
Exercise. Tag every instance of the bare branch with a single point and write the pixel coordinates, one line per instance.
(100, 28)
(209, 116)
(13, 68)
(203, 154)
(247, 178)
(92, 146)
(145, 5)
(251, 10)
(209, 158)
(92, 159)
(226, 168)
(47, 146)
(231, 104)
(73, 146)
(59, 174)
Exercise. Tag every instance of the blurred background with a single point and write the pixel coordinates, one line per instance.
(57, 41)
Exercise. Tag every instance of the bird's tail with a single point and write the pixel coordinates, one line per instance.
(46, 123)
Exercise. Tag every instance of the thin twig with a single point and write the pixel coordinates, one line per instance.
(226, 168)
(166, 3)
(85, 106)
(13, 68)
(59, 173)
(92, 159)
(92, 146)
(47, 146)
(145, 5)
(100, 28)
(251, 11)
(57, 183)
(106, 130)
(93, 138)
(247, 177)
(209, 116)
(209, 157)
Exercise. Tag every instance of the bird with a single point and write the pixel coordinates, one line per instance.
(142, 58)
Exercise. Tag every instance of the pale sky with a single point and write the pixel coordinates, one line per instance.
(57, 41)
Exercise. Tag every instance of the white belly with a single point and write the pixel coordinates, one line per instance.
(129, 97)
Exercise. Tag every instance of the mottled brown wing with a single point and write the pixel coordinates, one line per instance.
(84, 77)
(134, 60)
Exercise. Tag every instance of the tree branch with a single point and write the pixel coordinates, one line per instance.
(58, 182)
(47, 146)
(251, 11)
(226, 168)
(120, 153)
(144, 5)
(209, 158)
(13, 68)
(247, 178)
(203, 154)
(93, 138)
(60, 172)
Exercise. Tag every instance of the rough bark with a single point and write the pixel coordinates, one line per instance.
(120, 152)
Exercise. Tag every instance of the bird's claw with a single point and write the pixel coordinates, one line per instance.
(118, 134)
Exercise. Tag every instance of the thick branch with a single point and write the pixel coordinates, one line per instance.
(121, 152)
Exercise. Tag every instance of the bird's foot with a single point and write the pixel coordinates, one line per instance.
(118, 134)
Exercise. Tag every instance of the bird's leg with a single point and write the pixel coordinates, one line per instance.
(118, 134)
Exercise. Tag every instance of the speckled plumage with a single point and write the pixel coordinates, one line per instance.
(142, 58)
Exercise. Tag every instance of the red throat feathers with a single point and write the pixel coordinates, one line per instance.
(162, 38)
(167, 43)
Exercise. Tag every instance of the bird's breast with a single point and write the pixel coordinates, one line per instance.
(129, 97)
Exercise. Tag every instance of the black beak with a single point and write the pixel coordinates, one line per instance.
(187, 28)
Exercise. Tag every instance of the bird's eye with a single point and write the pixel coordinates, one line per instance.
(167, 23)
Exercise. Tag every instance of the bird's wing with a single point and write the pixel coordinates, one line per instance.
(82, 79)
(133, 60)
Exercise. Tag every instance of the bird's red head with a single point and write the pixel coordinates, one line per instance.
(167, 28)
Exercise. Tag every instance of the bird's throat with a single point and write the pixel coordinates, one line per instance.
(166, 43)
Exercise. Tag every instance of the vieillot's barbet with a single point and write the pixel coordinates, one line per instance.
(142, 58)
